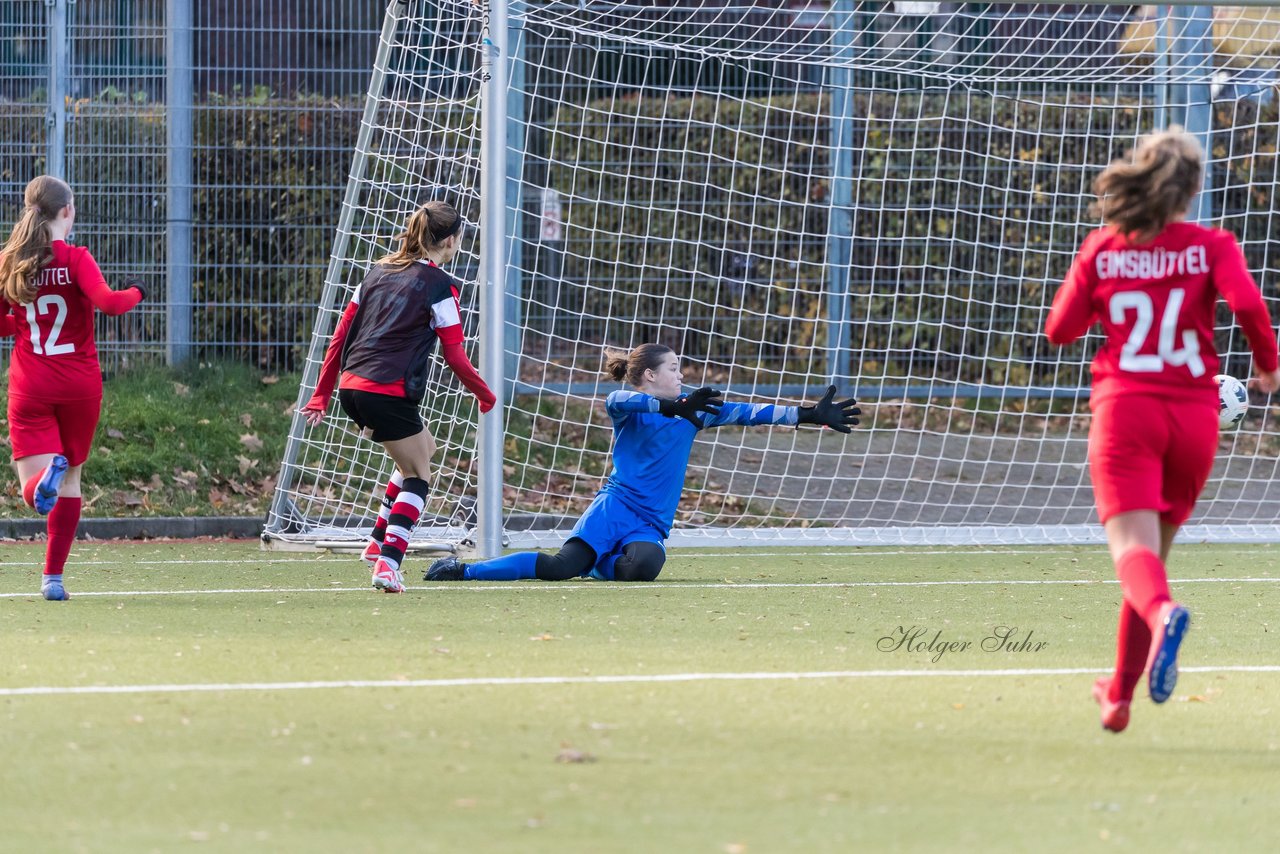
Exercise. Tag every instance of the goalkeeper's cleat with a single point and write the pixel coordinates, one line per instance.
(446, 569)
(50, 481)
(387, 578)
(1171, 626)
(1115, 714)
(51, 588)
(372, 551)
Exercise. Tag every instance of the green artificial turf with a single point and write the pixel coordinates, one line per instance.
(888, 751)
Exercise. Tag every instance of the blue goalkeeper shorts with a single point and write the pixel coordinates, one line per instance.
(609, 524)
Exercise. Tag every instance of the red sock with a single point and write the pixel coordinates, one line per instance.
(63, 520)
(29, 489)
(1144, 581)
(1133, 642)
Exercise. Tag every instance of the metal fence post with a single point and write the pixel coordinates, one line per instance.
(493, 246)
(840, 230)
(1161, 74)
(59, 62)
(516, 144)
(179, 140)
(1193, 58)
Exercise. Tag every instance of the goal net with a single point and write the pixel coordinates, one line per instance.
(880, 196)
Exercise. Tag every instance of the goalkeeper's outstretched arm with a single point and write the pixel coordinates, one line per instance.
(827, 412)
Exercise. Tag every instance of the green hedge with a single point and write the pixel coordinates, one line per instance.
(966, 210)
(269, 176)
(698, 216)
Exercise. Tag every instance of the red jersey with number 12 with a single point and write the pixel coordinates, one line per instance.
(1156, 304)
(54, 354)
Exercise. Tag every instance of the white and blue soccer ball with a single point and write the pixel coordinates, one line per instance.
(1233, 402)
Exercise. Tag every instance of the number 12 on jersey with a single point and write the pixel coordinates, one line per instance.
(1167, 351)
(42, 306)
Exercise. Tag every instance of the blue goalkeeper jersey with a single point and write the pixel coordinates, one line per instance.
(651, 450)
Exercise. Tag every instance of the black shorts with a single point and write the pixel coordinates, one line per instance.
(391, 418)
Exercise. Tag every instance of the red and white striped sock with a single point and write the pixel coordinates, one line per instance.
(388, 501)
(404, 515)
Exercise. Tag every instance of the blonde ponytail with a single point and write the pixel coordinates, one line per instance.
(30, 244)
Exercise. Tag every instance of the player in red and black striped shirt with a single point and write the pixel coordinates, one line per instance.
(1153, 281)
(50, 290)
(383, 344)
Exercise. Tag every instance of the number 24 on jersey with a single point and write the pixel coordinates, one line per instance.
(1167, 350)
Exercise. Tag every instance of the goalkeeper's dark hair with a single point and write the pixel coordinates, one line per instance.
(631, 366)
(30, 244)
(428, 227)
(1143, 192)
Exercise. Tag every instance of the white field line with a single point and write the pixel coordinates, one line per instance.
(499, 681)
(489, 587)
(682, 554)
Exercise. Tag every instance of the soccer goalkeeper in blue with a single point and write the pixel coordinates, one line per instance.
(621, 536)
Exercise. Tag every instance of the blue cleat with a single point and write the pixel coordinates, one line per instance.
(53, 590)
(1173, 622)
(47, 489)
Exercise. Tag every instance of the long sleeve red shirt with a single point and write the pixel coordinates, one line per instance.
(1155, 302)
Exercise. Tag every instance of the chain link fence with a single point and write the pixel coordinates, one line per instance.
(208, 144)
(209, 141)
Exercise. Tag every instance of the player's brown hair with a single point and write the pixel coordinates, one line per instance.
(29, 246)
(631, 366)
(428, 227)
(1143, 192)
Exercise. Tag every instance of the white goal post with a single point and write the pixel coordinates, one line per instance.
(883, 196)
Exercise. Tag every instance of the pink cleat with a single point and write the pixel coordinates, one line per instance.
(387, 578)
(1115, 715)
(371, 552)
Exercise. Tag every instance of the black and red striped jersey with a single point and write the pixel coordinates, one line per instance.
(385, 336)
(400, 315)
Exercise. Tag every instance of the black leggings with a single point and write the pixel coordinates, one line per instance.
(640, 561)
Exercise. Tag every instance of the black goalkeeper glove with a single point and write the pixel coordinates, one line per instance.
(838, 416)
(132, 282)
(705, 399)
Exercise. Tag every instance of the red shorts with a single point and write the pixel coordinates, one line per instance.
(53, 427)
(1149, 453)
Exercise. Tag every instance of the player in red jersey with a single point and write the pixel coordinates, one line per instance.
(1152, 281)
(48, 291)
(383, 344)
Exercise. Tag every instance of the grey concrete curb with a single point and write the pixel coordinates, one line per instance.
(144, 527)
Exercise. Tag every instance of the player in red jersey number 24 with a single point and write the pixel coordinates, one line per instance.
(1152, 281)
